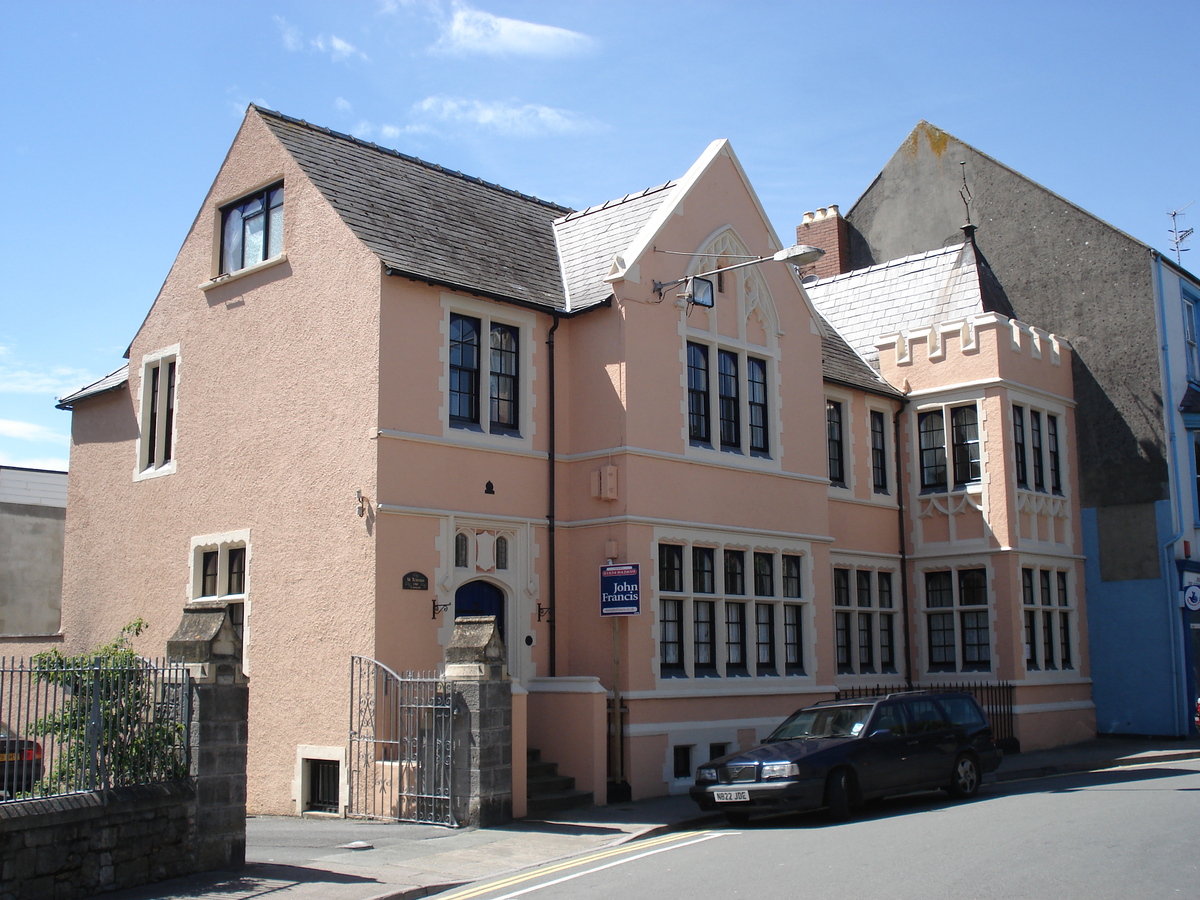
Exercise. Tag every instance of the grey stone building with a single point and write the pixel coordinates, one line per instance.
(33, 508)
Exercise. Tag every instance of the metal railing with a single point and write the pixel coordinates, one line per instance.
(67, 728)
(401, 745)
(996, 698)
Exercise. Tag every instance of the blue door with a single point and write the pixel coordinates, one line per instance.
(479, 598)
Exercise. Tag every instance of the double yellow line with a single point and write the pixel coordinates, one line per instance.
(634, 849)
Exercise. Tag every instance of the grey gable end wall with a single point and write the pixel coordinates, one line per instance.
(1063, 270)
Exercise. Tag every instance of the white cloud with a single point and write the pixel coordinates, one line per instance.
(58, 381)
(388, 7)
(292, 39)
(475, 31)
(29, 431)
(54, 463)
(366, 130)
(516, 119)
(337, 48)
(341, 104)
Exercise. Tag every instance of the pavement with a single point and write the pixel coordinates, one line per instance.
(294, 858)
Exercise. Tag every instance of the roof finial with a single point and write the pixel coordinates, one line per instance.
(965, 192)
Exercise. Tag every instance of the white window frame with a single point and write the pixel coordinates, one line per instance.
(722, 677)
(1045, 411)
(846, 399)
(1191, 337)
(222, 543)
(873, 569)
(888, 494)
(1038, 669)
(166, 426)
(747, 291)
(712, 397)
(956, 609)
(1194, 461)
(488, 313)
(946, 408)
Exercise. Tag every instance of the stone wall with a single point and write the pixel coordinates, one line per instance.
(79, 845)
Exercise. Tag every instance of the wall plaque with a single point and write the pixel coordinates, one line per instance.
(415, 581)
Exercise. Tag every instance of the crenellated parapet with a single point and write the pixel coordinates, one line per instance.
(974, 348)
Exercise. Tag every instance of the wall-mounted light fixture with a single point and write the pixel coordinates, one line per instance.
(698, 290)
(362, 503)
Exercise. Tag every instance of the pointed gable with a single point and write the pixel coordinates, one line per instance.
(431, 223)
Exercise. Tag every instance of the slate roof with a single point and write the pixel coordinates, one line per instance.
(903, 294)
(429, 222)
(109, 382)
(841, 365)
(589, 239)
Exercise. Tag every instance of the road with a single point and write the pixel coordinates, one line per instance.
(1122, 833)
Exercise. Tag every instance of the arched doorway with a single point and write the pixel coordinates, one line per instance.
(480, 598)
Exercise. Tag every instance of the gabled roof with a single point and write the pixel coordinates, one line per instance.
(431, 223)
(908, 293)
(588, 240)
(110, 382)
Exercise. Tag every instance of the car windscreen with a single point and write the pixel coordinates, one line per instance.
(834, 721)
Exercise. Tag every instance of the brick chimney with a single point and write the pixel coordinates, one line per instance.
(826, 229)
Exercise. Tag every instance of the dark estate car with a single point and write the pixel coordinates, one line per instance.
(838, 754)
(20, 762)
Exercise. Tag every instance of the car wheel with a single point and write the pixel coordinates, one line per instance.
(965, 783)
(737, 819)
(837, 795)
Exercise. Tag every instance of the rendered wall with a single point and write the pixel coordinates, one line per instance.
(276, 410)
(1135, 632)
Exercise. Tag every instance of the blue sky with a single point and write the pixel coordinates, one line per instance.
(117, 115)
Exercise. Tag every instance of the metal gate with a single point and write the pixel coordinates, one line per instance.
(401, 745)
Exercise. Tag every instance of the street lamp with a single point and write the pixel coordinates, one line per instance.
(699, 289)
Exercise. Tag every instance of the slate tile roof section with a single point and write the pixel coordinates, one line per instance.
(589, 239)
(109, 382)
(904, 294)
(429, 222)
(841, 365)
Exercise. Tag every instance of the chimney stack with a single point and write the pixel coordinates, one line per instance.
(826, 229)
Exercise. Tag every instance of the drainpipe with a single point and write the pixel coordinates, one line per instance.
(1174, 619)
(553, 593)
(908, 682)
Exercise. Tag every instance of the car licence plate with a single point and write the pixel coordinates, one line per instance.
(9, 757)
(730, 796)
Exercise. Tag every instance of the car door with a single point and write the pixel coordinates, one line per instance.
(934, 743)
(889, 762)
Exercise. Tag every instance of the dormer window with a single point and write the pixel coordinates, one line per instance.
(252, 230)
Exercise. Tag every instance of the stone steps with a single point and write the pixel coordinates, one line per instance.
(548, 792)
